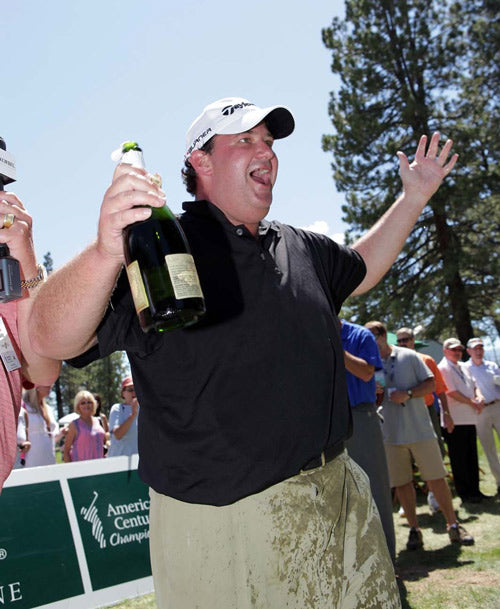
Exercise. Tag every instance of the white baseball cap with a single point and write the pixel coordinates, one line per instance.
(236, 115)
(474, 342)
(452, 343)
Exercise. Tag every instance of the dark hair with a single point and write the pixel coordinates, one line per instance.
(189, 176)
(98, 399)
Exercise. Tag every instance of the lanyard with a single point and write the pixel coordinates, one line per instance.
(390, 374)
(456, 370)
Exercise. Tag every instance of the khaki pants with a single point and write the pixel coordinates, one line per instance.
(488, 420)
(312, 541)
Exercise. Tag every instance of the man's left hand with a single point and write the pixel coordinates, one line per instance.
(424, 175)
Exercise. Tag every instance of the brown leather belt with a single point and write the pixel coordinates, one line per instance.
(325, 457)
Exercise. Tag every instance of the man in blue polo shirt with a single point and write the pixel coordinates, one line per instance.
(366, 445)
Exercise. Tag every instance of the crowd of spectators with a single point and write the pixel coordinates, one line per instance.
(410, 413)
(88, 435)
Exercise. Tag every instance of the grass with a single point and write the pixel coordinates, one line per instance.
(445, 576)
(142, 602)
(440, 576)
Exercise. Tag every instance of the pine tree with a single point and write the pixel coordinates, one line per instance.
(401, 65)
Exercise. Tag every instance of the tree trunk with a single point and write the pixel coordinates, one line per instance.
(57, 388)
(449, 248)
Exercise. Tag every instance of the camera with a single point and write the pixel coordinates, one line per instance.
(10, 277)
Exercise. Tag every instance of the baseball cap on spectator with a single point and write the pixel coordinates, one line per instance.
(236, 115)
(452, 343)
(127, 382)
(474, 342)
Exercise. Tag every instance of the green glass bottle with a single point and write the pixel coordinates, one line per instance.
(160, 268)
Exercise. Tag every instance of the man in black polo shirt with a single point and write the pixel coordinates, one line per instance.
(254, 503)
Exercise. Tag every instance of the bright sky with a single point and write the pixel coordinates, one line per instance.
(80, 77)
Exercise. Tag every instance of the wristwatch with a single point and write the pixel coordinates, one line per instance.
(40, 278)
(410, 393)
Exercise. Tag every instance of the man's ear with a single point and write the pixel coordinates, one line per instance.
(201, 162)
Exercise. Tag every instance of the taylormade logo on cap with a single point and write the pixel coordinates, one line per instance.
(236, 115)
(228, 110)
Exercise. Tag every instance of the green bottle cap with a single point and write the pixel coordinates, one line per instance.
(130, 153)
(126, 146)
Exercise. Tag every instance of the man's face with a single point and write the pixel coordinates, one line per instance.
(476, 353)
(453, 355)
(243, 170)
(404, 340)
(128, 394)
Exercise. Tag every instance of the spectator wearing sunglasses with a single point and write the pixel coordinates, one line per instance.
(123, 422)
(86, 437)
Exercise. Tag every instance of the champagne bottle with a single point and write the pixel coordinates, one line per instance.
(160, 268)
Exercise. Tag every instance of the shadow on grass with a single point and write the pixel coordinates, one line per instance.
(415, 565)
(437, 523)
(418, 564)
(490, 505)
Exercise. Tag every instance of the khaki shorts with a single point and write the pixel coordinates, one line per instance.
(313, 541)
(426, 455)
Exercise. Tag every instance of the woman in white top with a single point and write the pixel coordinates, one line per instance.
(42, 428)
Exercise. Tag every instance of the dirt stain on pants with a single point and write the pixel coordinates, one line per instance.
(312, 541)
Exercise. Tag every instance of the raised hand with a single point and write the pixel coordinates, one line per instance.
(425, 174)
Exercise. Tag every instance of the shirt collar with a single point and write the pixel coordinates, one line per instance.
(203, 207)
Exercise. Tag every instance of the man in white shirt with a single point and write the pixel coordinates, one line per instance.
(465, 403)
(487, 377)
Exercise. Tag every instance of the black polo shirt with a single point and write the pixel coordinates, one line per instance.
(247, 396)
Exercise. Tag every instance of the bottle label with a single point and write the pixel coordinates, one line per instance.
(137, 287)
(184, 276)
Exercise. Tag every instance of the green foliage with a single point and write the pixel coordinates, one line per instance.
(407, 68)
(48, 262)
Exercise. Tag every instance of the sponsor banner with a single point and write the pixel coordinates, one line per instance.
(36, 547)
(74, 535)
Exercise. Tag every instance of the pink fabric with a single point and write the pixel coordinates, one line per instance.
(89, 441)
(10, 396)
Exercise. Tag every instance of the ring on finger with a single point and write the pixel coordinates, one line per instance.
(8, 220)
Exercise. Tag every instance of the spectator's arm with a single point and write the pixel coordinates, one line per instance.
(358, 366)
